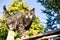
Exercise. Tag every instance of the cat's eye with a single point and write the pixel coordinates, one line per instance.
(27, 13)
(30, 13)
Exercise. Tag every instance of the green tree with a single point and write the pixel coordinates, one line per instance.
(3, 29)
(53, 12)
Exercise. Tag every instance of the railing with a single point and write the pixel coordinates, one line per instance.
(44, 36)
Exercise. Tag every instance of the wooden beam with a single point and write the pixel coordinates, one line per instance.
(41, 38)
(47, 35)
(52, 36)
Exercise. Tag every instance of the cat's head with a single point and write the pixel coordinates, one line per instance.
(29, 13)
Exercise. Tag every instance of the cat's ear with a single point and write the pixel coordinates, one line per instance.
(4, 7)
(32, 10)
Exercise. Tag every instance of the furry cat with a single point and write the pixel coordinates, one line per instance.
(20, 21)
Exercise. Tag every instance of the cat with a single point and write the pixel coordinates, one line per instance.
(28, 19)
(20, 21)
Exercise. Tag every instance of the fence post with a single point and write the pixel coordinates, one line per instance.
(10, 35)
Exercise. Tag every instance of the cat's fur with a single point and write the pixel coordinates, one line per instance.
(20, 21)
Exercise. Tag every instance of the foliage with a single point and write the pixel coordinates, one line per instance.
(17, 7)
(52, 12)
(52, 5)
(36, 28)
(17, 38)
(3, 30)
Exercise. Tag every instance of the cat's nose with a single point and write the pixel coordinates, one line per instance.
(28, 14)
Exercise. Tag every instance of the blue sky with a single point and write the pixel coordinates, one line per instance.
(4, 2)
(31, 3)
